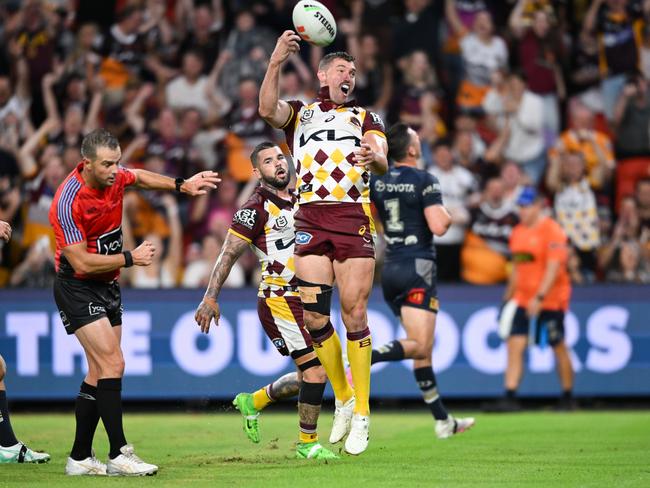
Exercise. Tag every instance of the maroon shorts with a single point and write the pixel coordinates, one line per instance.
(282, 320)
(338, 231)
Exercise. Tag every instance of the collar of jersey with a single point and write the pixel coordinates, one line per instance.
(324, 98)
(280, 202)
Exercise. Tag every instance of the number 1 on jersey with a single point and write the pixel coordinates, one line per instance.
(393, 223)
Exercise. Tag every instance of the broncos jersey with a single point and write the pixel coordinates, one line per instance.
(400, 196)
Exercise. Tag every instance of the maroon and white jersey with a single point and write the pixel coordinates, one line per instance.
(266, 223)
(322, 137)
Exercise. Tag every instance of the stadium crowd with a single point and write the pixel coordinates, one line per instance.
(554, 93)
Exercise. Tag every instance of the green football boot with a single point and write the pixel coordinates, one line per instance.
(20, 453)
(244, 403)
(313, 450)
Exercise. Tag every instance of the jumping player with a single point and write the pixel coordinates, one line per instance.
(335, 144)
(266, 223)
(86, 215)
(410, 207)
(11, 449)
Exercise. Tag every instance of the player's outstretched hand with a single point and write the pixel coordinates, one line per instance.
(200, 183)
(5, 230)
(207, 310)
(287, 44)
(143, 254)
(364, 155)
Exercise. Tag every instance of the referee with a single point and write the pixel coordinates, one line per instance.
(86, 215)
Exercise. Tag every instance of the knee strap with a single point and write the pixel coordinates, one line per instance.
(315, 298)
(305, 358)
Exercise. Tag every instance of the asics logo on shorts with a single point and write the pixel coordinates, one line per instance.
(303, 237)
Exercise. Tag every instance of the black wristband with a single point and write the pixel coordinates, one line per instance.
(179, 182)
(128, 259)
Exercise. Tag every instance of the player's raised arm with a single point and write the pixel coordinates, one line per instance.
(84, 262)
(199, 184)
(208, 309)
(275, 111)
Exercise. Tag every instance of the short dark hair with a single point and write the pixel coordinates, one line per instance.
(442, 142)
(328, 58)
(96, 139)
(398, 139)
(259, 148)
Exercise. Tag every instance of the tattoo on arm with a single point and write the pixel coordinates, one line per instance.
(232, 249)
(286, 386)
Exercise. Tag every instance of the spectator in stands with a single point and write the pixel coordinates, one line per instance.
(201, 27)
(414, 100)
(458, 192)
(416, 30)
(374, 79)
(645, 51)
(540, 54)
(83, 61)
(164, 141)
(200, 260)
(482, 52)
(15, 98)
(37, 269)
(632, 119)
(485, 252)
(642, 195)
(616, 24)
(518, 114)
(189, 89)
(247, 129)
(585, 72)
(513, 180)
(575, 209)
(595, 147)
(621, 256)
(163, 271)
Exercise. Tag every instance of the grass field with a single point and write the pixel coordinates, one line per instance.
(610, 449)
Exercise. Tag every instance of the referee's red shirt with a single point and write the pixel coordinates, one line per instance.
(80, 213)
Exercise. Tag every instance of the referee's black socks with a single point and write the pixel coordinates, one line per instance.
(87, 417)
(7, 437)
(393, 351)
(109, 404)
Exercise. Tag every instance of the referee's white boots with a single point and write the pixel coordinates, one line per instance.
(91, 466)
(128, 464)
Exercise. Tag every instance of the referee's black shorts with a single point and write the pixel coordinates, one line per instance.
(81, 302)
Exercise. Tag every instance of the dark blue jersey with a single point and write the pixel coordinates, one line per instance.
(401, 195)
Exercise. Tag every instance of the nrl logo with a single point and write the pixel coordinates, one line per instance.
(306, 115)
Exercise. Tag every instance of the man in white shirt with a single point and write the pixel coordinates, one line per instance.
(520, 112)
(188, 90)
(458, 188)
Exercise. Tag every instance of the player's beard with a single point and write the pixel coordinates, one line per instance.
(278, 182)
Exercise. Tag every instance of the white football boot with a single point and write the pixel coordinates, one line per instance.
(450, 426)
(91, 466)
(128, 464)
(357, 440)
(342, 417)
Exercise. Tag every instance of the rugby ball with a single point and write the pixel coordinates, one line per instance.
(314, 23)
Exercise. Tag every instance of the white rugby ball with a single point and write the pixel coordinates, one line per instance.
(314, 22)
